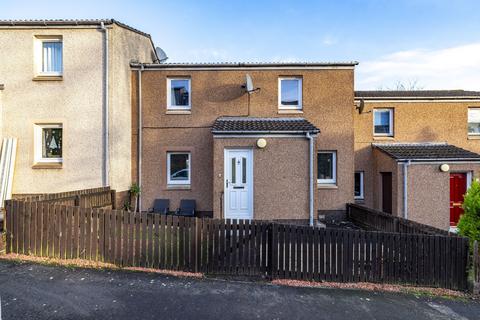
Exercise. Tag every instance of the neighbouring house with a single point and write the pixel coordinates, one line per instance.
(416, 152)
(65, 96)
(278, 147)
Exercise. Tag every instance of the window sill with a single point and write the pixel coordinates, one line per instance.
(327, 186)
(47, 78)
(473, 137)
(290, 111)
(47, 165)
(179, 187)
(360, 201)
(389, 138)
(178, 112)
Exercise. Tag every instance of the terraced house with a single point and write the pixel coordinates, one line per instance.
(246, 140)
(65, 102)
(416, 152)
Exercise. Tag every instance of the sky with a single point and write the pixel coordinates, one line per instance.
(427, 44)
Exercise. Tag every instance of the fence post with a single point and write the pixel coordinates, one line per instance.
(7, 225)
(395, 225)
(476, 268)
(113, 199)
(271, 231)
(77, 201)
(198, 244)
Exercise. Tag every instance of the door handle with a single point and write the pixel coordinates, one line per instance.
(226, 181)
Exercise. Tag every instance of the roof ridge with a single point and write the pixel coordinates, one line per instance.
(380, 144)
(66, 22)
(237, 118)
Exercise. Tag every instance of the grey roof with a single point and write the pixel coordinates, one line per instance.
(417, 94)
(250, 125)
(247, 64)
(426, 152)
(68, 22)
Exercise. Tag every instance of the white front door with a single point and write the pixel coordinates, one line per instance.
(238, 184)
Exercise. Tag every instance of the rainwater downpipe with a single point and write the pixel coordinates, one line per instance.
(106, 156)
(139, 150)
(310, 138)
(405, 189)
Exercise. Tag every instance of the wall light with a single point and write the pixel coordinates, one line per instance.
(444, 167)
(261, 143)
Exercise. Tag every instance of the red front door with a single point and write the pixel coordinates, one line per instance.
(458, 187)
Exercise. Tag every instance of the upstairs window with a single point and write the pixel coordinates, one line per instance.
(290, 93)
(178, 93)
(358, 188)
(48, 143)
(327, 167)
(474, 121)
(178, 168)
(383, 122)
(49, 56)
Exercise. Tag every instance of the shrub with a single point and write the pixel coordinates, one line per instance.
(469, 224)
(135, 191)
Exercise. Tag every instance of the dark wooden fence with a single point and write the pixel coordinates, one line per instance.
(380, 221)
(364, 256)
(88, 198)
(231, 247)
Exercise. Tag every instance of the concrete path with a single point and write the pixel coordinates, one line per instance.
(30, 291)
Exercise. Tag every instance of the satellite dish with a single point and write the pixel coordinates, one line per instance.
(361, 106)
(249, 85)
(162, 56)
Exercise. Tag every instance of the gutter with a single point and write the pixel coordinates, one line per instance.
(311, 186)
(405, 189)
(106, 110)
(139, 139)
(437, 160)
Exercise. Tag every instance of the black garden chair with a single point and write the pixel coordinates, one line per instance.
(161, 206)
(187, 208)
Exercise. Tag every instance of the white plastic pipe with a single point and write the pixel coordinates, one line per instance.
(405, 189)
(139, 142)
(106, 107)
(311, 199)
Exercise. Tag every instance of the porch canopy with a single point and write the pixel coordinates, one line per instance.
(420, 152)
(252, 125)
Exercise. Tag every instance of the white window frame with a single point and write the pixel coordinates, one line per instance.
(38, 54)
(289, 106)
(468, 120)
(38, 142)
(169, 94)
(176, 182)
(362, 186)
(390, 113)
(334, 169)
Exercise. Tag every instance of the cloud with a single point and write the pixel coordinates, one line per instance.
(449, 68)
